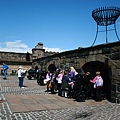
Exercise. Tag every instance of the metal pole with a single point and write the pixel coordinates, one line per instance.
(95, 36)
(106, 35)
(116, 32)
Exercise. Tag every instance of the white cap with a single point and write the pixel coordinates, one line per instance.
(20, 67)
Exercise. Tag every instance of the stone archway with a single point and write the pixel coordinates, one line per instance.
(105, 70)
(52, 67)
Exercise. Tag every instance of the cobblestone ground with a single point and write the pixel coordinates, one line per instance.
(103, 111)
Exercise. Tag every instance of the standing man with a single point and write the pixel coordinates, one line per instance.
(5, 67)
(21, 76)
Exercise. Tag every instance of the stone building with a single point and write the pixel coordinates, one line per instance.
(14, 60)
(38, 51)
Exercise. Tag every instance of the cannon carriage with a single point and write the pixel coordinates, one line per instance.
(31, 74)
(41, 76)
(38, 75)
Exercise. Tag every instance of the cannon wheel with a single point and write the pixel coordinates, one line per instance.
(80, 96)
(29, 77)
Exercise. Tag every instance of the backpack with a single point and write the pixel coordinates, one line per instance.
(99, 82)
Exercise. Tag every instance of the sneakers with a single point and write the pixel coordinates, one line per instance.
(22, 87)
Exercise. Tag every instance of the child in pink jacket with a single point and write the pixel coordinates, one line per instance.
(98, 84)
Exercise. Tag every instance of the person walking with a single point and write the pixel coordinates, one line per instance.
(5, 68)
(21, 76)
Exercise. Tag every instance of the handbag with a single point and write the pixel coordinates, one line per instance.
(50, 85)
(98, 83)
(22, 74)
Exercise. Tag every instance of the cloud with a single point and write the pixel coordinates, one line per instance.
(16, 46)
(53, 49)
(19, 47)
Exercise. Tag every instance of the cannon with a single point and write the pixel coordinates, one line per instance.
(31, 74)
(41, 75)
(82, 88)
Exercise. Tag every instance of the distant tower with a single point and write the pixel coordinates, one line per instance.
(105, 16)
(38, 51)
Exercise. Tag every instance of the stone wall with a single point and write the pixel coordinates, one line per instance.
(14, 60)
(105, 55)
(14, 66)
(12, 56)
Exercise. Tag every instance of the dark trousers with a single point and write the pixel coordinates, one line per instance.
(53, 88)
(59, 89)
(98, 96)
(5, 73)
(47, 85)
(21, 81)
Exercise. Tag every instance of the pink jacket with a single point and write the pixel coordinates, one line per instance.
(59, 78)
(94, 80)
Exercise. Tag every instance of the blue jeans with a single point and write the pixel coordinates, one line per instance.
(21, 81)
(4, 73)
